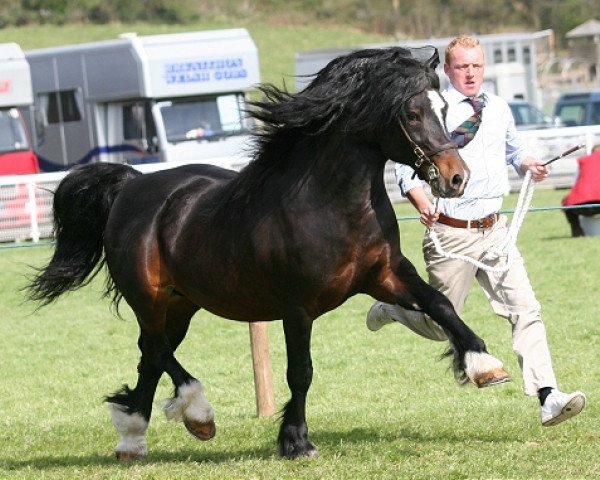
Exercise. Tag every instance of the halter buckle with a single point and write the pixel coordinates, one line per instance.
(420, 154)
(432, 172)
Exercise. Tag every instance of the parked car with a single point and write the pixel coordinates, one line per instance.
(528, 117)
(579, 108)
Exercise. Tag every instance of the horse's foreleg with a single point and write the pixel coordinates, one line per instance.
(470, 358)
(471, 361)
(293, 439)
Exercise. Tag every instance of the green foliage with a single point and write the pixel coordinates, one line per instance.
(403, 19)
(382, 405)
(59, 12)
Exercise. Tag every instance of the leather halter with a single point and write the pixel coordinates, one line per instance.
(433, 171)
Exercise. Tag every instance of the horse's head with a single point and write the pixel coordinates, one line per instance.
(436, 159)
(384, 99)
(418, 119)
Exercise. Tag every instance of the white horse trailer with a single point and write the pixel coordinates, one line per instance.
(160, 98)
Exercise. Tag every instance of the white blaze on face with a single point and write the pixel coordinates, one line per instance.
(437, 105)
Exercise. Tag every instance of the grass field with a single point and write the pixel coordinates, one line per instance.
(382, 405)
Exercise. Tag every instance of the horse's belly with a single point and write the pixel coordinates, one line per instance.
(236, 304)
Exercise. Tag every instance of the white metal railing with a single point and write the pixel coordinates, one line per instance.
(26, 200)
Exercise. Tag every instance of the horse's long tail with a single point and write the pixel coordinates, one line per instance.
(82, 203)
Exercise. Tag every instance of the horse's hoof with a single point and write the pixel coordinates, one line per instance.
(312, 453)
(493, 377)
(129, 456)
(201, 430)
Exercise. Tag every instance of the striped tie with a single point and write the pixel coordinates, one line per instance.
(465, 132)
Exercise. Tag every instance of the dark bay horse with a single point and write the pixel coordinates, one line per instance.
(306, 225)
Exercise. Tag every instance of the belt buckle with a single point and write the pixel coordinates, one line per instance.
(476, 224)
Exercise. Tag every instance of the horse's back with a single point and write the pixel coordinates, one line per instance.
(145, 194)
(136, 222)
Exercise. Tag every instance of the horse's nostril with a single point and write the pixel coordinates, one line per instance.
(457, 180)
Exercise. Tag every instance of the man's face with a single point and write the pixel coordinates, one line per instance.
(465, 69)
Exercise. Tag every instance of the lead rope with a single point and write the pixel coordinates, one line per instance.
(506, 248)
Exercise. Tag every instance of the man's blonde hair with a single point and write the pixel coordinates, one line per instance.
(464, 41)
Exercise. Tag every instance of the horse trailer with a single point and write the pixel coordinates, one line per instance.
(143, 99)
(16, 152)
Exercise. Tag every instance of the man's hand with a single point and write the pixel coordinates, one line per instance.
(429, 215)
(427, 212)
(537, 168)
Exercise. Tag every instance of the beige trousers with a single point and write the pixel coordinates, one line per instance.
(510, 295)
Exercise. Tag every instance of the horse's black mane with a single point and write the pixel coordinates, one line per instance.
(352, 95)
(351, 90)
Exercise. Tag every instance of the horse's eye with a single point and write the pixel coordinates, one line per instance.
(412, 117)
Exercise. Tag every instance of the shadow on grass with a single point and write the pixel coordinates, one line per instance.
(361, 435)
(155, 456)
(330, 440)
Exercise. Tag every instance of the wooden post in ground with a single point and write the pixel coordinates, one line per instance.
(261, 363)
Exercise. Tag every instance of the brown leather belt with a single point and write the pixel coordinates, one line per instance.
(485, 222)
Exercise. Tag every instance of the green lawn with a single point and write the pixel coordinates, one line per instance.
(382, 405)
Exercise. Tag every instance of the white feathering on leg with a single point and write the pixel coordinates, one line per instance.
(132, 431)
(478, 363)
(191, 403)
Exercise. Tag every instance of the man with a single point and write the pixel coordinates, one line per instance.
(482, 124)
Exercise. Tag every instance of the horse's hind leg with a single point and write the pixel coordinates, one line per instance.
(293, 434)
(132, 408)
(188, 403)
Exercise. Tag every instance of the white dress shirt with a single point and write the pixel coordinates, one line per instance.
(494, 146)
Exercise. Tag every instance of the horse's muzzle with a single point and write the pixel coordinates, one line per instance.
(453, 175)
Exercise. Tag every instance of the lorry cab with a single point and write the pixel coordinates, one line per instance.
(176, 97)
(16, 152)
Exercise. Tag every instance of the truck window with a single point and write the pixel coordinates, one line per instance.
(572, 115)
(62, 106)
(208, 118)
(595, 114)
(12, 132)
(137, 121)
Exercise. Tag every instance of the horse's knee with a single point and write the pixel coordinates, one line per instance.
(191, 406)
(132, 432)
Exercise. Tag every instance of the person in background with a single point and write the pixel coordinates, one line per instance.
(483, 128)
(586, 190)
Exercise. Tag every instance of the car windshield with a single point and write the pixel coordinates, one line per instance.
(209, 118)
(12, 132)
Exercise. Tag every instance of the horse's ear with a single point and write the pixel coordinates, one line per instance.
(434, 60)
(428, 56)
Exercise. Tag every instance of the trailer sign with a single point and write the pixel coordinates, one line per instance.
(205, 71)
